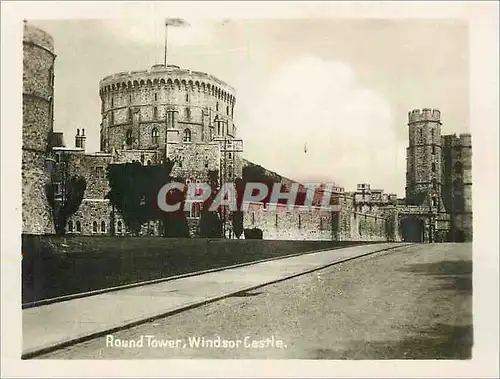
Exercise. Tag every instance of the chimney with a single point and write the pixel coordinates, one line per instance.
(80, 139)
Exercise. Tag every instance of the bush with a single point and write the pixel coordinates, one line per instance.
(253, 234)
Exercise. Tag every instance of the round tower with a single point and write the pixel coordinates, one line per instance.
(150, 108)
(38, 105)
(423, 155)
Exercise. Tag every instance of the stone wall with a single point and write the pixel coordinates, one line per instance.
(38, 91)
(277, 222)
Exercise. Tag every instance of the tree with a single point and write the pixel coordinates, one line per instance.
(73, 192)
(134, 190)
(210, 221)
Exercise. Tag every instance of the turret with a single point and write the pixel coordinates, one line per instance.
(423, 175)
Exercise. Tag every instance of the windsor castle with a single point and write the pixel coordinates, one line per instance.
(167, 112)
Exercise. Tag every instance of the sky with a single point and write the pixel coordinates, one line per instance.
(317, 100)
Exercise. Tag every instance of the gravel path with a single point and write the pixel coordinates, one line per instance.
(410, 303)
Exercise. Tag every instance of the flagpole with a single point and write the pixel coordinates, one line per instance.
(166, 36)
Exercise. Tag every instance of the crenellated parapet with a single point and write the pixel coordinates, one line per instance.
(424, 115)
(171, 77)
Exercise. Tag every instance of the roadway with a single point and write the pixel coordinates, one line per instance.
(410, 302)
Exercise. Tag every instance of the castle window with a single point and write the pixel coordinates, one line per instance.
(155, 112)
(130, 98)
(421, 132)
(78, 226)
(180, 163)
(99, 171)
(432, 133)
(187, 96)
(128, 137)
(70, 226)
(187, 113)
(434, 184)
(230, 172)
(276, 220)
(433, 167)
(112, 102)
(434, 202)
(218, 128)
(206, 162)
(253, 217)
(130, 114)
(149, 162)
(433, 149)
(94, 227)
(458, 168)
(119, 227)
(229, 155)
(103, 227)
(154, 136)
(227, 109)
(187, 135)
(156, 97)
(112, 118)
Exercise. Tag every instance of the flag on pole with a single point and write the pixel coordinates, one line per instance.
(176, 22)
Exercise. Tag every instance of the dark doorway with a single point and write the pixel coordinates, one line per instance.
(412, 229)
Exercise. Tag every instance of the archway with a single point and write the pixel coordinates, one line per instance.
(412, 229)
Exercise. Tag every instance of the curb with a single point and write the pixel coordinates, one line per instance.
(79, 295)
(39, 351)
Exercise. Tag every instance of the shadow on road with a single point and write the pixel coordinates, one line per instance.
(452, 275)
(439, 342)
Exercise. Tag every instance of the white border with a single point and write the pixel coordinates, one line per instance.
(484, 123)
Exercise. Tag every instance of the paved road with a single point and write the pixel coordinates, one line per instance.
(409, 303)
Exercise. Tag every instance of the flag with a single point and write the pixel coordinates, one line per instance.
(176, 22)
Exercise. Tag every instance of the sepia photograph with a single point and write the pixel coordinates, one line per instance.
(247, 188)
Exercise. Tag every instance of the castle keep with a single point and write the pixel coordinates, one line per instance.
(38, 105)
(167, 112)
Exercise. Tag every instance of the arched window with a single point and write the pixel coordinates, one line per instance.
(94, 226)
(434, 202)
(155, 112)
(128, 137)
(154, 136)
(70, 226)
(187, 135)
(187, 113)
(119, 227)
(433, 167)
(149, 162)
(78, 226)
(458, 168)
(103, 227)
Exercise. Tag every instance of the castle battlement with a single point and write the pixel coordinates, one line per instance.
(425, 114)
(170, 76)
